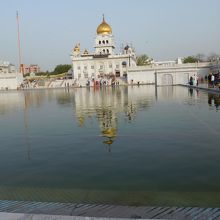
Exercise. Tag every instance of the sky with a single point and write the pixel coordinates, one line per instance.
(162, 29)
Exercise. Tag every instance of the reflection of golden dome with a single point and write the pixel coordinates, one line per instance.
(109, 132)
(109, 142)
(81, 121)
(104, 28)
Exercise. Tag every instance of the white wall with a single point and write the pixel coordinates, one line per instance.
(10, 81)
(178, 77)
(180, 73)
(143, 77)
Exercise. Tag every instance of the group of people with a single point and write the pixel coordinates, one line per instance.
(194, 80)
(213, 80)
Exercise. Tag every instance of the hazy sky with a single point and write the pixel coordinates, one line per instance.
(163, 29)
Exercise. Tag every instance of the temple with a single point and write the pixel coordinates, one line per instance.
(104, 63)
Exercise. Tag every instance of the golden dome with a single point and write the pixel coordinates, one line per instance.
(104, 28)
(77, 48)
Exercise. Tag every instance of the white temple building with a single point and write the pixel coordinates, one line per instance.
(9, 77)
(103, 63)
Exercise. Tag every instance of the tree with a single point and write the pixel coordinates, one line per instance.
(62, 68)
(144, 60)
(201, 57)
(190, 59)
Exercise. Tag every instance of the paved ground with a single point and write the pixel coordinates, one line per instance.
(13, 216)
(66, 211)
(205, 87)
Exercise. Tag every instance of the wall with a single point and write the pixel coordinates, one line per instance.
(142, 76)
(180, 73)
(10, 81)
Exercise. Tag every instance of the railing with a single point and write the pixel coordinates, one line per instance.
(170, 66)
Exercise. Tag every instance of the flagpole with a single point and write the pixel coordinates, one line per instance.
(19, 43)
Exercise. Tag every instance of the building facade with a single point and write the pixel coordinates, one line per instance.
(103, 62)
(33, 68)
(9, 77)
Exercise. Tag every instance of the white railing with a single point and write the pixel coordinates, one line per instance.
(171, 66)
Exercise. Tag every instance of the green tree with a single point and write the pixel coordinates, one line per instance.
(143, 60)
(62, 68)
(190, 59)
(201, 57)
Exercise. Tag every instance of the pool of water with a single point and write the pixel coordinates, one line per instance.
(123, 145)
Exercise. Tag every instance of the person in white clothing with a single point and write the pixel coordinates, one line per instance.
(212, 80)
(195, 80)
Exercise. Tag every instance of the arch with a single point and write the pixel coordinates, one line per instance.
(108, 51)
(167, 80)
(100, 42)
(124, 63)
(103, 42)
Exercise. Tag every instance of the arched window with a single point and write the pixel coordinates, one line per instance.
(104, 51)
(107, 50)
(100, 42)
(124, 63)
(103, 42)
(106, 41)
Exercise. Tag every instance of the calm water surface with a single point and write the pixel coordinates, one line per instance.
(135, 145)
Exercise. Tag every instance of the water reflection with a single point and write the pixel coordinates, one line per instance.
(102, 103)
(214, 100)
(54, 139)
(105, 104)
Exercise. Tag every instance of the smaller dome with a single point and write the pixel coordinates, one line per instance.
(86, 52)
(126, 48)
(104, 28)
(77, 48)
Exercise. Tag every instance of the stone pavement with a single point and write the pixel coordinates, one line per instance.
(17, 216)
(204, 87)
(24, 210)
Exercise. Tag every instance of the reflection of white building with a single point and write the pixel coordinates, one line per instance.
(106, 105)
(11, 101)
(104, 62)
(9, 77)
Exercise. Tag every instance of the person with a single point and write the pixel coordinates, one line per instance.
(212, 80)
(190, 81)
(209, 79)
(195, 80)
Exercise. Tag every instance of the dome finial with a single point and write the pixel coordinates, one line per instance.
(103, 17)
